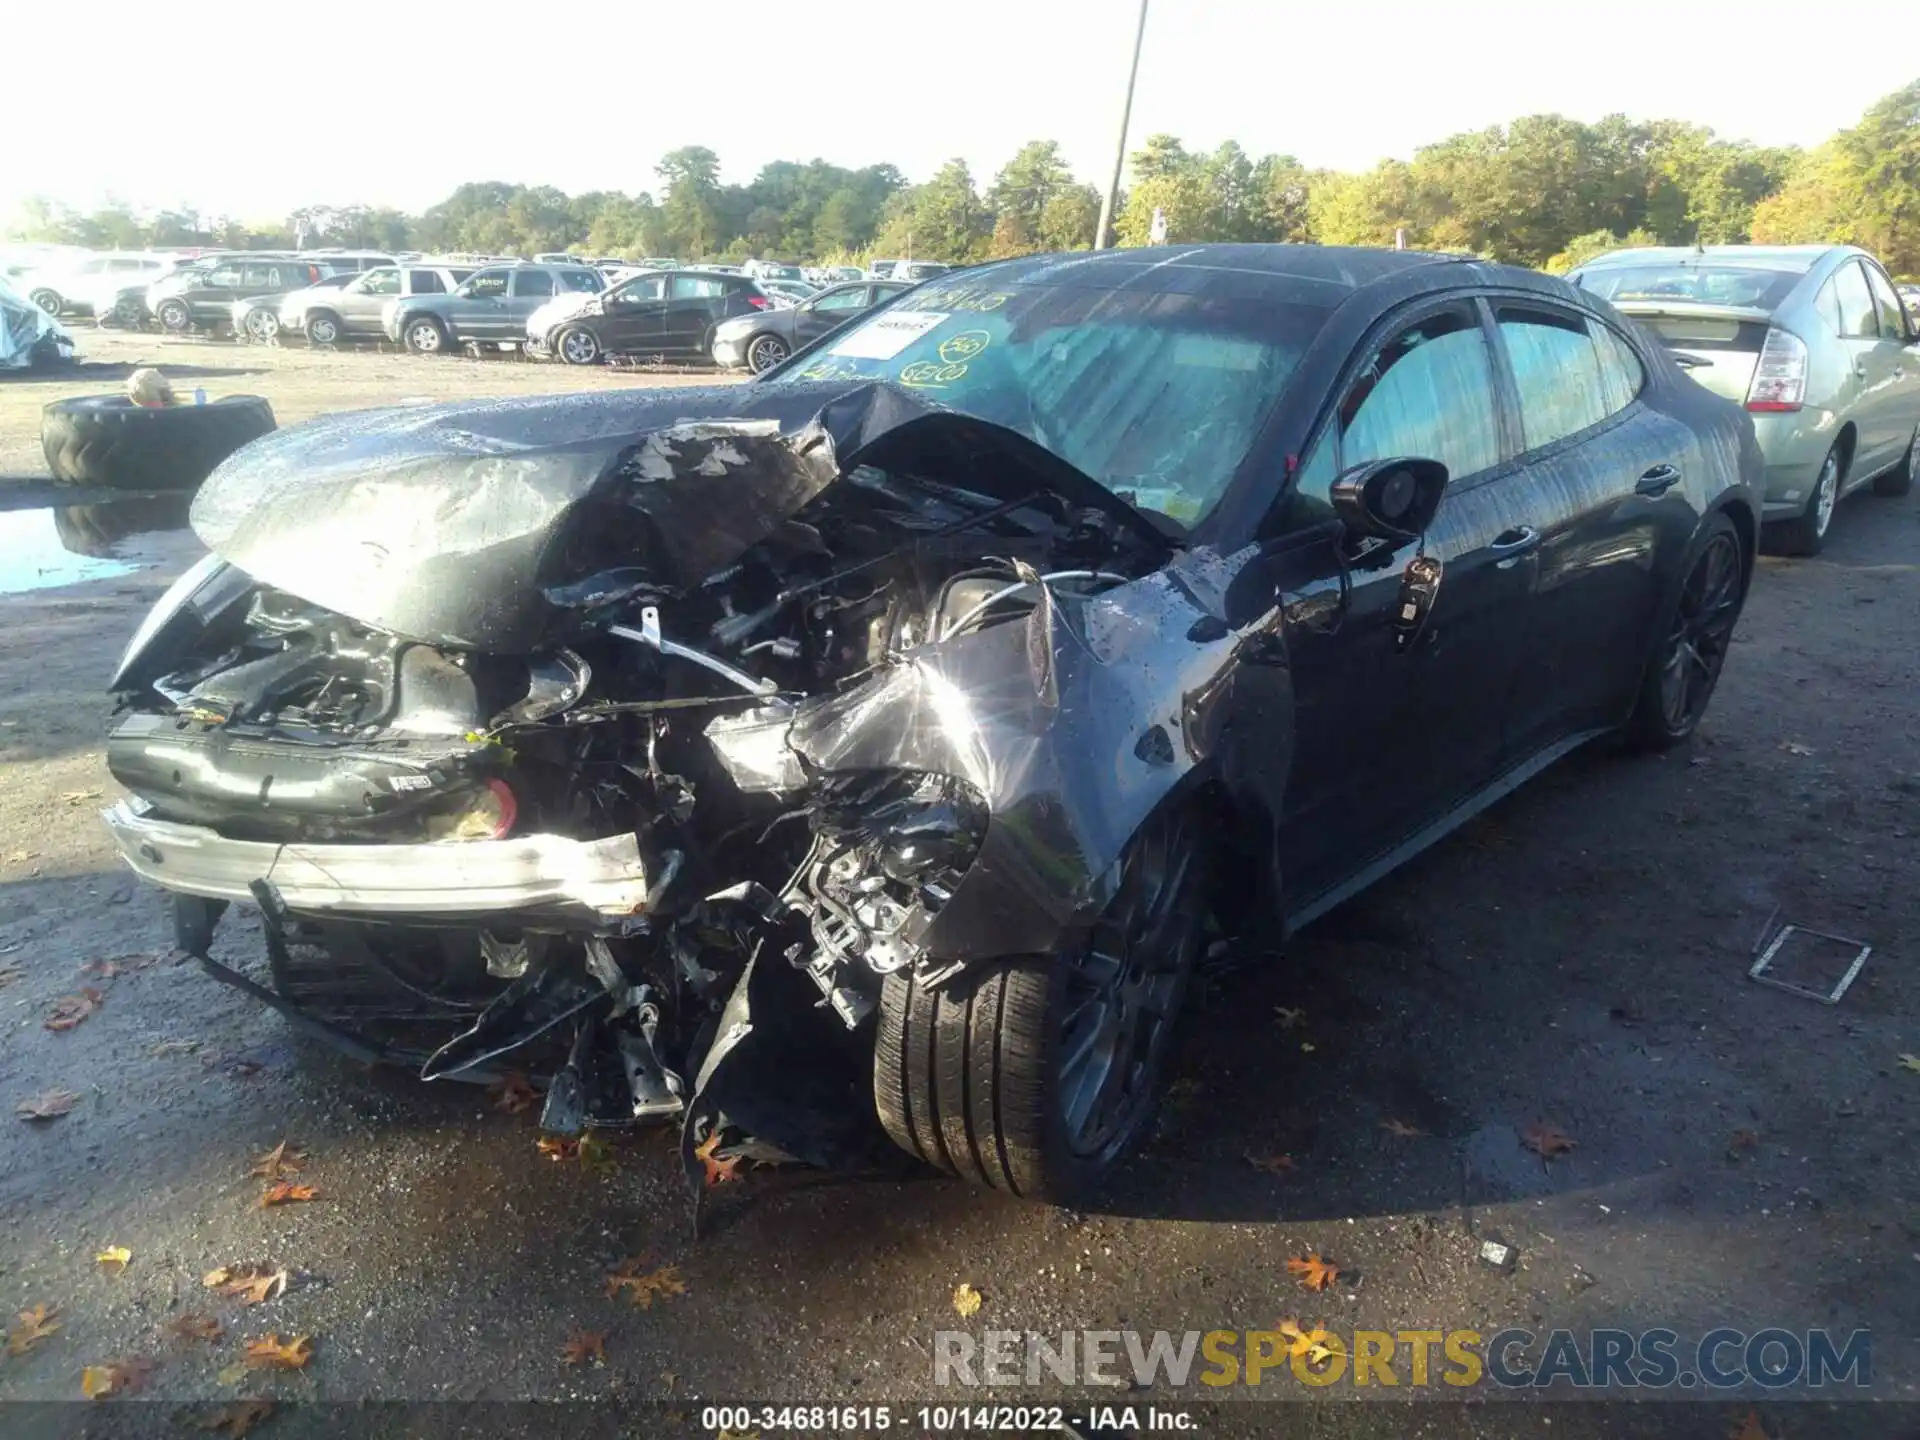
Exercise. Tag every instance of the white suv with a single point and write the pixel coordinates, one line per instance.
(75, 284)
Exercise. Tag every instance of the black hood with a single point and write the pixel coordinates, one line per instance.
(493, 524)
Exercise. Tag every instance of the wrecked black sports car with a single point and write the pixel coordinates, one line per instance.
(873, 751)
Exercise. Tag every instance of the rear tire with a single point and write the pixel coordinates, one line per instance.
(1691, 644)
(1806, 533)
(174, 316)
(108, 441)
(48, 300)
(1899, 480)
(992, 1077)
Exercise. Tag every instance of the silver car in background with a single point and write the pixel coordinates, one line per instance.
(1812, 339)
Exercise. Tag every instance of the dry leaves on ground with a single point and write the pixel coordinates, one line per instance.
(719, 1172)
(113, 1259)
(69, 1010)
(31, 1327)
(644, 1288)
(558, 1147)
(9, 974)
(1314, 1273)
(47, 1105)
(1910, 1062)
(249, 1284)
(270, 1352)
(1273, 1164)
(280, 1160)
(1794, 747)
(122, 964)
(1309, 1343)
(1402, 1129)
(1290, 1017)
(1749, 1428)
(286, 1193)
(126, 1376)
(513, 1093)
(966, 1300)
(79, 797)
(194, 1327)
(585, 1346)
(1546, 1141)
(1742, 1142)
(238, 1418)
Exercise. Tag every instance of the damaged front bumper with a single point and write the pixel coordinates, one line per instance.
(605, 878)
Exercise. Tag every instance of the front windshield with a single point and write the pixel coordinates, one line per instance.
(1155, 394)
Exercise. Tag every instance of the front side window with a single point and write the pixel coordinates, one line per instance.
(641, 291)
(1429, 394)
(533, 283)
(1556, 371)
(489, 284)
(1853, 303)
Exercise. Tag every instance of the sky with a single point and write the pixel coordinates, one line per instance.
(167, 107)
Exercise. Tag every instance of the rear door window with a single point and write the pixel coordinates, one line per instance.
(1853, 303)
(224, 277)
(1886, 304)
(588, 281)
(425, 282)
(1428, 392)
(697, 287)
(1621, 372)
(1556, 372)
(533, 283)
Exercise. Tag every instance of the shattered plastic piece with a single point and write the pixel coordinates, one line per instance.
(1496, 1254)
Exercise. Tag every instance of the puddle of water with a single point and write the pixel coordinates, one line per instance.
(44, 549)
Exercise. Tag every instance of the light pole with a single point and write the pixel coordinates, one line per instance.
(1112, 199)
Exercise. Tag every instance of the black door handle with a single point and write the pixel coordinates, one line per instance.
(1657, 481)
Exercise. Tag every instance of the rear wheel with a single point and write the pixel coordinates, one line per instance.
(323, 328)
(765, 352)
(1034, 1075)
(173, 315)
(262, 325)
(47, 300)
(1807, 531)
(426, 336)
(1685, 665)
(1899, 480)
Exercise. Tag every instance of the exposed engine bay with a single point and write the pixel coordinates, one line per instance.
(577, 756)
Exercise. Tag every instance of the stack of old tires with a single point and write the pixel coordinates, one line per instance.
(109, 442)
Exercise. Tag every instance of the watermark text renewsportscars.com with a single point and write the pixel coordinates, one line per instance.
(1772, 1357)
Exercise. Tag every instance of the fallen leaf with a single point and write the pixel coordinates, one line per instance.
(1310, 1343)
(194, 1327)
(1749, 1428)
(1794, 747)
(513, 1092)
(172, 1047)
(121, 965)
(279, 1160)
(966, 1299)
(594, 1153)
(238, 1418)
(1546, 1141)
(31, 1328)
(69, 1010)
(1306, 1047)
(1314, 1273)
(125, 1376)
(1741, 1142)
(233, 1374)
(644, 1289)
(286, 1193)
(1402, 1129)
(113, 1259)
(585, 1345)
(719, 1172)
(78, 797)
(1273, 1164)
(272, 1353)
(249, 1284)
(559, 1147)
(47, 1105)
(1290, 1017)
(1910, 1062)
(9, 974)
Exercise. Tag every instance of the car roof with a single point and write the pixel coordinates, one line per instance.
(1320, 274)
(1771, 257)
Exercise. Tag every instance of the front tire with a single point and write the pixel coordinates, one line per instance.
(174, 316)
(263, 326)
(577, 345)
(1899, 480)
(1035, 1075)
(1692, 646)
(1806, 533)
(49, 301)
(323, 328)
(766, 351)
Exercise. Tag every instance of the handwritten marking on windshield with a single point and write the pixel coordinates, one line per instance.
(957, 349)
(930, 374)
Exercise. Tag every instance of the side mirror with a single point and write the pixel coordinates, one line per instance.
(1393, 500)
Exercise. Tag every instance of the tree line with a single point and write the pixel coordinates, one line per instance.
(1543, 191)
